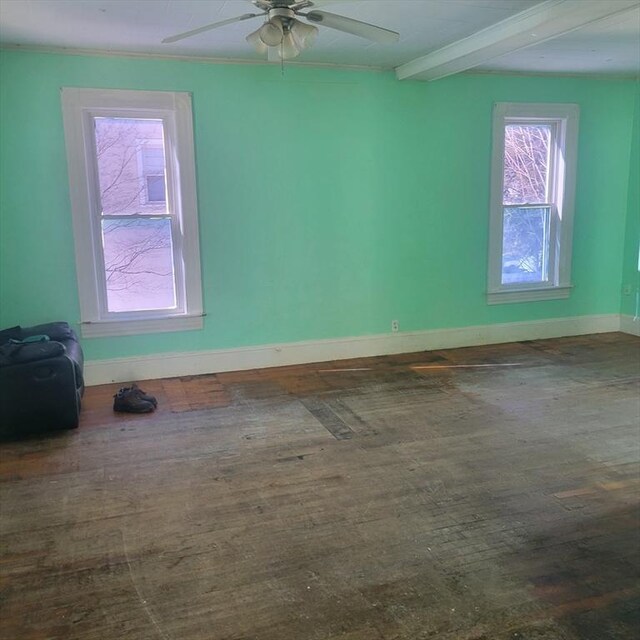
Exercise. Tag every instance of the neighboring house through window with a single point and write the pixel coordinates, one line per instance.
(153, 172)
(532, 201)
(132, 181)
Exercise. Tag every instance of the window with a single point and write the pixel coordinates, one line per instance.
(532, 201)
(132, 182)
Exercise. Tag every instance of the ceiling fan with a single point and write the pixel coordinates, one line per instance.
(283, 35)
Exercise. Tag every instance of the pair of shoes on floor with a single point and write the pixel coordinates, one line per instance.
(134, 400)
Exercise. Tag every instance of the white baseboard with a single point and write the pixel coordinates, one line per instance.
(629, 324)
(167, 365)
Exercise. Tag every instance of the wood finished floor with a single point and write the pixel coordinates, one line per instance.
(470, 494)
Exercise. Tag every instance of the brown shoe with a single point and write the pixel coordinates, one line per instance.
(128, 401)
(142, 394)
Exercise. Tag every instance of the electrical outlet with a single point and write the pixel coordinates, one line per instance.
(626, 290)
(395, 326)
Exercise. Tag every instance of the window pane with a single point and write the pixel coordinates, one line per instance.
(138, 260)
(526, 163)
(155, 188)
(525, 244)
(128, 150)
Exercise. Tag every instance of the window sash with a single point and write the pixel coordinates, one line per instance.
(548, 251)
(552, 178)
(175, 260)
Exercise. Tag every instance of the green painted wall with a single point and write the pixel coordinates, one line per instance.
(630, 272)
(331, 201)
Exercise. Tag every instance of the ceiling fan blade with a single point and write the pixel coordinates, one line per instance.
(208, 27)
(355, 27)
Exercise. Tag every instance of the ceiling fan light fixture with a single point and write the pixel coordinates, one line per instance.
(289, 47)
(304, 34)
(271, 33)
(255, 41)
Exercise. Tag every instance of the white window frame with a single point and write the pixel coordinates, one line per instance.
(79, 107)
(562, 180)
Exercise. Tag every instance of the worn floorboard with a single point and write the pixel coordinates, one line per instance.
(486, 493)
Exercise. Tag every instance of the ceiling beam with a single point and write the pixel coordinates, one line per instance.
(541, 22)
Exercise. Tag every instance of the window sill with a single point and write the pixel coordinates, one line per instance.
(107, 328)
(528, 295)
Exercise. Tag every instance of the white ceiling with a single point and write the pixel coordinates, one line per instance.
(138, 26)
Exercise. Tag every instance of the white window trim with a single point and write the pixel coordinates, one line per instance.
(79, 106)
(559, 286)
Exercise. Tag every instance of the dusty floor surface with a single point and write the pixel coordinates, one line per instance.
(471, 494)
